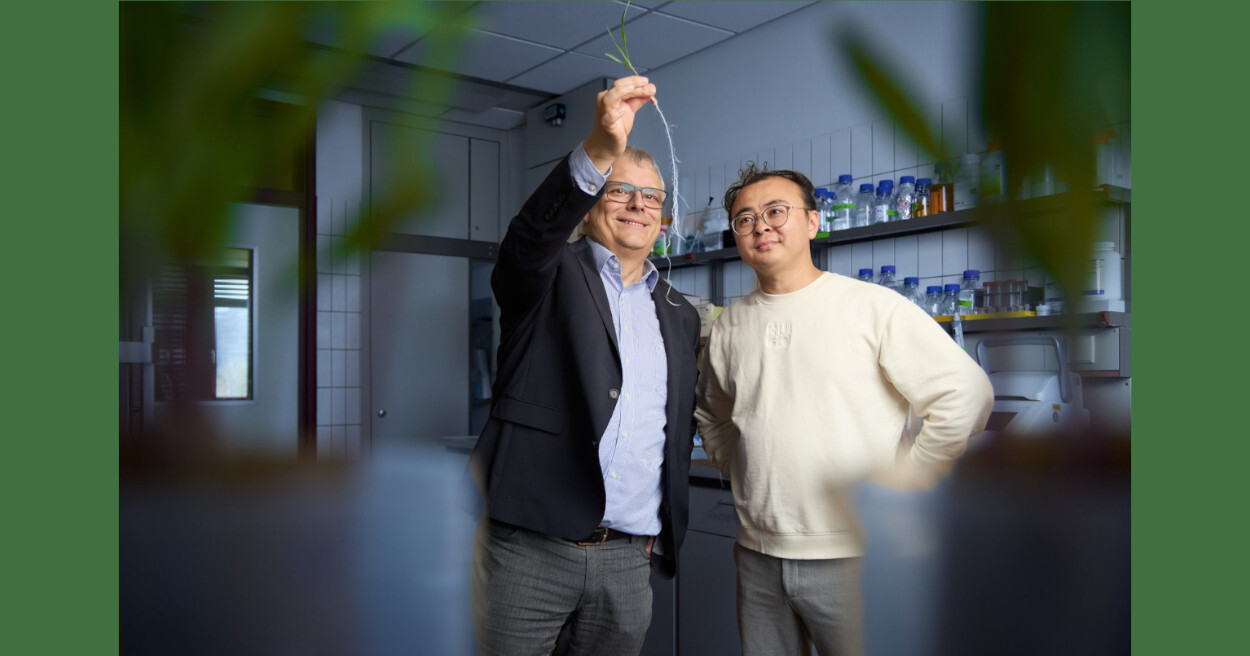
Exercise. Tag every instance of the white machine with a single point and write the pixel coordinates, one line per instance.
(1033, 403)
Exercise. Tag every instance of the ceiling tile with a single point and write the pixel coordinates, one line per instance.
(560, 24)
(486, 56)
(656, 39)
(732, 16)
(567, 72)
(392, 41)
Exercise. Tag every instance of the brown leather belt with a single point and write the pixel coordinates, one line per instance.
(601, 535)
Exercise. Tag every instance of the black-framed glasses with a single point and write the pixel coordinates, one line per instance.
(622, 192)
(773, 216)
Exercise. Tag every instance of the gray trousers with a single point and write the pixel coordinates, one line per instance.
(526, 587)
(785, 606)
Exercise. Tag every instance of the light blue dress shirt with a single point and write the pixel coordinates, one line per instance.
(631, 449)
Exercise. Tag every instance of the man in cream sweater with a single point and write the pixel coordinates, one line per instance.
(804, 391)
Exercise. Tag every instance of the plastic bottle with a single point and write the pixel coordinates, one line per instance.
(933, 300)
(1102, 291)
(966, 180)
(843, 202)
(920, 204)
(861, 214)
(950, 300)
(971, 294)
(882, 202)
(911, 289)
(822, 205)
(826, 211)
(887, 279)
(992, 186)
(904, 198)
(866, 275)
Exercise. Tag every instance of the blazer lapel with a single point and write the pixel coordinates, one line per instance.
(581, 252)
(674, 345)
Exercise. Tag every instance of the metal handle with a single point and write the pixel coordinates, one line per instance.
(1065, 385)
(382, 412)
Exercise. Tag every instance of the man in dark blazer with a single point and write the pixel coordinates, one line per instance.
(583, 465)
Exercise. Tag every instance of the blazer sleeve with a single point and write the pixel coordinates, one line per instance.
(529, 254)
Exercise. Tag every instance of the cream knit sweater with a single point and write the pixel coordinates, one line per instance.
(802, 395)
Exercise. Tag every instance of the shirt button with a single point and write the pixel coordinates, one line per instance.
(625, 433)
(613, 393)
(593, 187)
(626, 360)
(613, 474)
(625, 327)
(627, 397)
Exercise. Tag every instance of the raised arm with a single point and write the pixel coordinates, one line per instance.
(529, 252)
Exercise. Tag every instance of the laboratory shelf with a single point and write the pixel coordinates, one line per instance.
(1030, 321)
(1055, 203)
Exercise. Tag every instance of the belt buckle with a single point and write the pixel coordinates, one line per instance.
(601, 533)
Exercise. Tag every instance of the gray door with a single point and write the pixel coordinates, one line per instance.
(419, 347)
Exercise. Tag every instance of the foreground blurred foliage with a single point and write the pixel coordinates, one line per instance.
(194, 136)
(219, 100)
(1051, 74)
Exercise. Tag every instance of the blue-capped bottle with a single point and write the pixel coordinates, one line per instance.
(866, 275)
(971, 293)
(950, 300)
(861, 214)
(904, 197)
(911, 289)
(821, 195)
(933, 300)
(887, 278)
(883, 202)
(920, 204)
(843, 202)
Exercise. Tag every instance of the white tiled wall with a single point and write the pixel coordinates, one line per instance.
(874, 151)
(338, 333)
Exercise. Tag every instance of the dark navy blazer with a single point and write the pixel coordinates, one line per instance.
(536, 462)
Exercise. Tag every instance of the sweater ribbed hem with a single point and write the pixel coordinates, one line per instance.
(843, 544)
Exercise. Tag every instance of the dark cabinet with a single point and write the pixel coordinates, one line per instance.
(707, 616)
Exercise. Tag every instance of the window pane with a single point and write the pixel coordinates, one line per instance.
(203, 320)
(234, 329)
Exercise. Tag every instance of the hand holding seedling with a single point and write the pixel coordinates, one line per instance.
(615, 109)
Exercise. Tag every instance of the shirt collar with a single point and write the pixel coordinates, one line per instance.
(606, 258)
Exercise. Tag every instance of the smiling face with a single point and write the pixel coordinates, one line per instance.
(768, 249)
(627, 229)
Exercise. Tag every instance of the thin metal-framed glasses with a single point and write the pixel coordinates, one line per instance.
(622, 192)
(773, 216)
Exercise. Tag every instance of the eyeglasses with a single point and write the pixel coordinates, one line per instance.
(773, 216)
(620, 192)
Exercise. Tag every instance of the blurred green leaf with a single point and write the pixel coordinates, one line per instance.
(1052, 73)
(192, 139)
(889, 95)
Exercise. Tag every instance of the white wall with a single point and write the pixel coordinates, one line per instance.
(268, 424)
(783, 93)
(785, 82)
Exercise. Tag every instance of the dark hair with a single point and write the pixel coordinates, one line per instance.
(753, 174)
